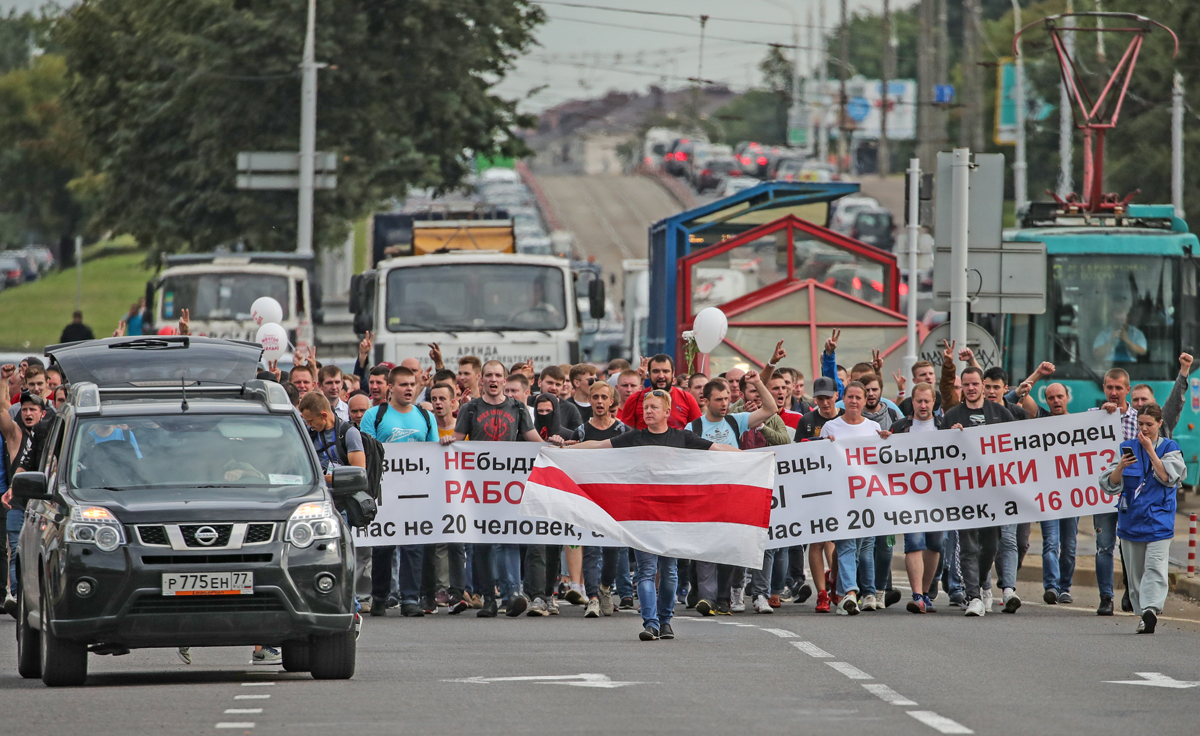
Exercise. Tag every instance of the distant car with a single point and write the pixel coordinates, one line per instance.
(682, 151)
(29, 266)
(845, 209)
(794, 169)
(716, 171)
(859, 280)
(736, 184)
(703, 154)
(497, 173)
(10, 270)
(875, 227)
(43, 256)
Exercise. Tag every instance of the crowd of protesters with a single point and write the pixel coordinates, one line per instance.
(582, 407)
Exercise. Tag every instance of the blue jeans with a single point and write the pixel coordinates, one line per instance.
(883, 563)
(12, 525)
(1006, 558)
(1106, 540)
(658, 604)
(951, 571)
(506, 562)
(856, 566)
(1058, 553)
(624, 579)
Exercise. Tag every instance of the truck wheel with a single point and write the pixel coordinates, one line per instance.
(332, 657)
(296, 655)
(29, 643)
(64, 663)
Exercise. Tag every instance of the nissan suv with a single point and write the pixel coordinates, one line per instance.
(179, 503)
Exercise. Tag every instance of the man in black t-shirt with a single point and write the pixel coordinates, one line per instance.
(657, 602)
(493, 417)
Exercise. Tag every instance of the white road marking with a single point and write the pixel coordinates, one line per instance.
(811, 649)
(782, 633)
(747, 626)
(939, 723)
(1156, 679)
(850, 670)
(886, 694)
(241, 724)
(256, 684)
(243, 711)
(251, 697)
(580, 680)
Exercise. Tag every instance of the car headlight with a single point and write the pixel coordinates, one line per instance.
(312, 521)
(95, 525)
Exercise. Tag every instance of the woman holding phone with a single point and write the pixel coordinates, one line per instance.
(1146, 478)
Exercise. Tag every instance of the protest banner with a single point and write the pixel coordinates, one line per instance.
(954, 479)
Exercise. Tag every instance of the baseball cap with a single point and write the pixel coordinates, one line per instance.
(386, 364)
(824, 386)
(33, 399)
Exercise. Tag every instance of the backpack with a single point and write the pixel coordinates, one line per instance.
(698, 429)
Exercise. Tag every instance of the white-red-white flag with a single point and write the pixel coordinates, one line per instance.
(711, 506)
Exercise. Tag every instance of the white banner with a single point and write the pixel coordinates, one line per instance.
(955, 479)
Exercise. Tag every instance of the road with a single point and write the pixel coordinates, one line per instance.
(609, 215)
(1044, 670)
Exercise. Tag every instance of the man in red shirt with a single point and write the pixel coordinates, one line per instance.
(684, 408)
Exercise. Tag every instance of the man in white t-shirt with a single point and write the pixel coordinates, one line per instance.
(856, 557)
(921, 549)
(719, 585)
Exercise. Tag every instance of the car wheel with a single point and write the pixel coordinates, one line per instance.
(64, 663)
(332, 657)
(29, 644)
(296, 655)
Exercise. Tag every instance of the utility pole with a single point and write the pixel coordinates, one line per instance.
(308, 135)
(822, 83)
(883, 154)
(971, 130)
(1177, 145)
(78, 273)
(925, 84)
(1065, 121)
(914, 232)
(1020, 180)
(843, 120)
(961, 184)
(810, 102)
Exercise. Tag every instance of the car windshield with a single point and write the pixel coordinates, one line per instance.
(872, 221)
(189, 450)
(476, 297)
(221, 295)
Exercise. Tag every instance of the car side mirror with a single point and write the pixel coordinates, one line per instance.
(32, 486)
(596, 298)
(348, 480)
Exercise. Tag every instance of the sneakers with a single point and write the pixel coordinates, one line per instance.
(489, 609)
(1126, 604)
(929, 607)
(476, 601)
(1050, 596)
(891, 597)
(606, 601)
(552, 606)
(804, 592)
(364, 605)
(666, 632)
(775, 602)
(976, 608)
(185, 654)
(648, 634)
(1105, 608)
(958, 600)
(869, 603)
(267, 655)
(626, 604)
(516, 605)
(704, 608)
(917, 604)
(593, 609)
(737, 601)
(457, 605)
(537, 608)
(1065, 598)
(1149, 621)
(1012, 601)
(822, 601)
(849, 605)
(575, 596)
(723, 608)
(428, 605)
(986, 597)
(377, 608)
(411, 610)
(762, 605)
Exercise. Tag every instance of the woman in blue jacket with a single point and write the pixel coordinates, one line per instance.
(1146, 481)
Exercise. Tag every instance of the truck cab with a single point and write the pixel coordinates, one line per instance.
(218, 290)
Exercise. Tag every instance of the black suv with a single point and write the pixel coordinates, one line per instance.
(180, 503)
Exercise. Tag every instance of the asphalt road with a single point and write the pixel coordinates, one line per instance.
(1044, 670)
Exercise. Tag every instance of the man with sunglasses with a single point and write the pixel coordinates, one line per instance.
(582, 377)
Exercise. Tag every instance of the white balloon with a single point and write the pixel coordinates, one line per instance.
(710, 328)
(274, 341)
(265, 310)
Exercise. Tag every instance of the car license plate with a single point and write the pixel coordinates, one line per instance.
(208, 583)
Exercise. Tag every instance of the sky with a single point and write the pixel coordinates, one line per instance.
(583, 54)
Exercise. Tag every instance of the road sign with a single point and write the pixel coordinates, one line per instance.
(280, 170)
(981, 342)
(283, 181)
(858, 108)
(1036, 107)
(943, 94)
(1156, 679)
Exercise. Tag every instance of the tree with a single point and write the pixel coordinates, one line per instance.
(169, 91)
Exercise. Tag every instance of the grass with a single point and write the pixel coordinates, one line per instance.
(33, 315)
